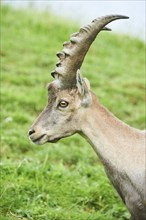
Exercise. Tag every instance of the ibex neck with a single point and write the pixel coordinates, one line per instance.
(111, 138)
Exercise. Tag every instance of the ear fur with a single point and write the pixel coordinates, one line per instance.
(87, 83)
(80, 83)
(83, 86)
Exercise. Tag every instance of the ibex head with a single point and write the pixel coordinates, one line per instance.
(69, 94)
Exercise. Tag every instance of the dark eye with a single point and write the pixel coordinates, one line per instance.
(63, 104)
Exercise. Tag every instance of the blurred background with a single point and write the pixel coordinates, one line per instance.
(84, 11)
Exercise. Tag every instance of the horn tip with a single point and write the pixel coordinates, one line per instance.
(120, 16)
(124, 17)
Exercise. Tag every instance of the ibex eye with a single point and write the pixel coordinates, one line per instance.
(63, 104)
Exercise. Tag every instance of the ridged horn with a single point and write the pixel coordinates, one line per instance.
(73, 53)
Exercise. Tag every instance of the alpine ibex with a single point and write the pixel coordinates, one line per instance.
(73, 108)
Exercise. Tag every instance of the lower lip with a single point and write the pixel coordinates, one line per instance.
(38, 139)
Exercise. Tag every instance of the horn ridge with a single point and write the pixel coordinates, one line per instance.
(60, 55)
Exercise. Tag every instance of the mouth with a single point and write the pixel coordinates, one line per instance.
(39, 138)
(43, 139)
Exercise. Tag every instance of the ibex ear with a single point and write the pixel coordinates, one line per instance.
(83, 86)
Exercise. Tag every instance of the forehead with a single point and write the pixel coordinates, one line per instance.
(54, 91)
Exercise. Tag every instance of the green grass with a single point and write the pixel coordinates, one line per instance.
(62, 181)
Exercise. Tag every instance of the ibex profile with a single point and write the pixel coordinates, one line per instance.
(73, 108)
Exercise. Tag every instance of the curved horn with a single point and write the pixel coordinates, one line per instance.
(73, 53)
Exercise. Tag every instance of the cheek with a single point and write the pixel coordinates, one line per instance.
(69, 119)
(56, 120)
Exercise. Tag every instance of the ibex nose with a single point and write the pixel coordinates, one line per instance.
(31, 131)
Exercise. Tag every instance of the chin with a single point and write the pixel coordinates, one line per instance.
(39, 142)
(54, 140)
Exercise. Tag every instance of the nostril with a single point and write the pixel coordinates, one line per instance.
(31, 131)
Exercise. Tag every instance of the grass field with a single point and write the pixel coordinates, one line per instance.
(62, 181)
